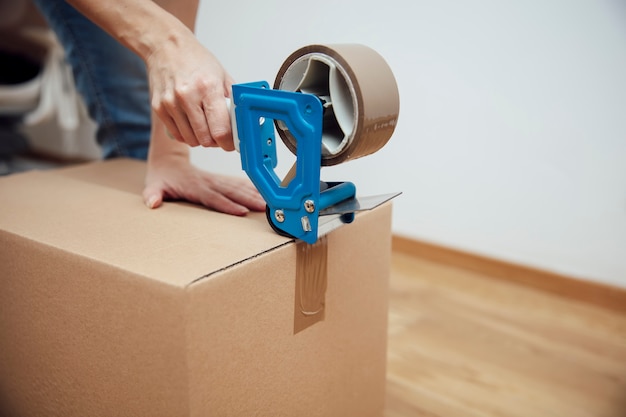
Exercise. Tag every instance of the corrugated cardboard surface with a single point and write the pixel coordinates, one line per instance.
(108, 308)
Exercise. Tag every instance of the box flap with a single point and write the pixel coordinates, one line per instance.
(96, 211)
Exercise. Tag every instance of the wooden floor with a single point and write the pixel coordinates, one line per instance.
(464, 344)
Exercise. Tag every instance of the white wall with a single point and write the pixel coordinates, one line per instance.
(512, 135)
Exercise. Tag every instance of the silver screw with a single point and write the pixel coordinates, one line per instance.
(279, 215)
(309, 206)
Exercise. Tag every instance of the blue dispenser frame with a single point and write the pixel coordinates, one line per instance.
(293, 209)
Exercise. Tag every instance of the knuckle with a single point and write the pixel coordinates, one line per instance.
(169, 100)
(206, 140)
(164, 104)
(180, 93)
(157, 105)
(207, 85)
(220, 135)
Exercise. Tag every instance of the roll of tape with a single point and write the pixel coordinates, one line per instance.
(359, 94)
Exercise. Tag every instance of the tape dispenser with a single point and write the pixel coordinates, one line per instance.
(329, 104)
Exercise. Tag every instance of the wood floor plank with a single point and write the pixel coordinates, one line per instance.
(462, 344)
(603, 295)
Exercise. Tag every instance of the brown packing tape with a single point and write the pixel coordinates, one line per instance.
(361, 105)
(360, 95)
(311, 283)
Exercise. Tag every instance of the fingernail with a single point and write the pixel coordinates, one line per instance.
(151, 201)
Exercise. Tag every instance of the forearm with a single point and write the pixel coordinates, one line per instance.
(143, 26)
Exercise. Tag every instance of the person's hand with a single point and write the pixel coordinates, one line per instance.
(172, 177)
(188, 91)
(188, 85)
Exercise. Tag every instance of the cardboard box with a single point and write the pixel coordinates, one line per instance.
(110, 309)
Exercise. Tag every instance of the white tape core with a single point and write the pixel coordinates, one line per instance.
(323, 76)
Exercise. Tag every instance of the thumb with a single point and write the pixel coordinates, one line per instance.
(153, 196)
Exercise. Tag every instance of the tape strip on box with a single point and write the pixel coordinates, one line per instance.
(311, 283)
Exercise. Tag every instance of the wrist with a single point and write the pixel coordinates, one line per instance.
(171, 39)
(163, 147)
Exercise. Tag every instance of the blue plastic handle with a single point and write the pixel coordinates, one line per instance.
(294, 207)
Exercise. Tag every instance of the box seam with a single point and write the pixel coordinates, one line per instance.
(227, 267)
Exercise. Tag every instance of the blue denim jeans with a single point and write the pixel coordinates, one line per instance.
(110, 77)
